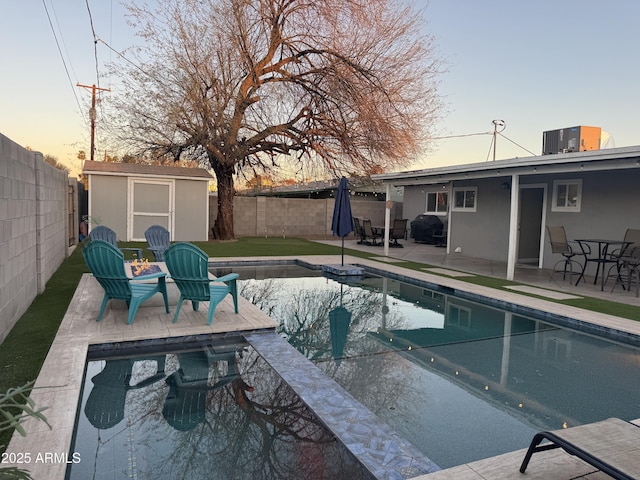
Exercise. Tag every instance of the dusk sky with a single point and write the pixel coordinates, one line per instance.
(537, 65)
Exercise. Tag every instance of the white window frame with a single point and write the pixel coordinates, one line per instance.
(566, 207)
(456, 309)
(463, 208)
(436, 211)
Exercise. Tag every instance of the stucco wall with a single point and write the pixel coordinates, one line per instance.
(33, 228)
(610, 205)
(485, 232)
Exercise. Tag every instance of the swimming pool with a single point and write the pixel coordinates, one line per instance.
(460, 380)
(212, 409)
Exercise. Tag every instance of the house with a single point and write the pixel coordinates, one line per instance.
(129, 198)
(498, 210)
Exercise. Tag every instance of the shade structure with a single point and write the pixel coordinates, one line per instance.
(339, 321)
(342, 223)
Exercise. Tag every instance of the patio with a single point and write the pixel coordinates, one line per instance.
(59, 382)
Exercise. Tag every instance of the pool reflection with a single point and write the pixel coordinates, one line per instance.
(459, 379)
(215, 412)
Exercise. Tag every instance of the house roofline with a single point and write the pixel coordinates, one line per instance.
(593, 160)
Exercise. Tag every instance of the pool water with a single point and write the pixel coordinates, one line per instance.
(460, 380)
(212, 411)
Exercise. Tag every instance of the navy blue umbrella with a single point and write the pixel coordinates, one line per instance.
(342, 223)
(339, 321)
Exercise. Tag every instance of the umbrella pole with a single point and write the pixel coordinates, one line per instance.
(343, 251)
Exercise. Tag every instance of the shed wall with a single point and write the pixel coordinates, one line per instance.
(108, 203)
(191, 214)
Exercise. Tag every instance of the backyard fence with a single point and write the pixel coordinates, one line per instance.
(34, 230)
(294, 217)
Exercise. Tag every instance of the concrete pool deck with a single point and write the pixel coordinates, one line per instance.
(59, 383)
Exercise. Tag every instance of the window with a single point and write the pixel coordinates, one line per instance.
(459, 316)
(437, 203)
(465, 199)
(567, 195)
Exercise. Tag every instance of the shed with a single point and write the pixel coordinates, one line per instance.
(129, 198)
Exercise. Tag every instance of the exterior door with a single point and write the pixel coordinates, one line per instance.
(151, 202)
(530, 224)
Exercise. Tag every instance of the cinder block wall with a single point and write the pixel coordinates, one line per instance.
(33, 228)
(293, 217)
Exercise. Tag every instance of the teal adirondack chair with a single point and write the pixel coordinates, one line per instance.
(106, 263)
(189, 269)
(106, 234)
(159, 240)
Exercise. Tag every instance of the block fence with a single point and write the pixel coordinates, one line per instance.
(33, 228)
(294, 217)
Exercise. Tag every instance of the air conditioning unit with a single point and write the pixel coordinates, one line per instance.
(572, 139)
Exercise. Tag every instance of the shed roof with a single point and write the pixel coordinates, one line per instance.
(592, 160)
(128, 169)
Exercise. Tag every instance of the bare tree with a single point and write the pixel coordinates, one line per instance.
(54, 162)
(245, 85)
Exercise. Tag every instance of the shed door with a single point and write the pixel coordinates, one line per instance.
(151, 202)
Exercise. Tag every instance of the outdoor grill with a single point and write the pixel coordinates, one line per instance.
(424, 227)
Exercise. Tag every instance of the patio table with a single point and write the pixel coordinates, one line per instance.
(602, 257)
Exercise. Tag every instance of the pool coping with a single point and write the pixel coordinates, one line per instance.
(59, 382)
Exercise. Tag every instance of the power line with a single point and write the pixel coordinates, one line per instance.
(95, 42)
(460, 136)
(61, 55)
(529, 151)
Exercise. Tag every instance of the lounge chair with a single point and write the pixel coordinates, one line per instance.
(158, 239)
(560, 244)
(189, 269)
(398, 231)
(106, 263)
(107, 235)
(612, 446)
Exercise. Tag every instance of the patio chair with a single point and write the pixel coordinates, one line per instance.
(632, 237)
(560, 244)
(628, 270)
(186, 403)
(106, 263)
(399, 230)
(107, 235)
(370, 237)
(106, 403)
(189, 269)
(358, 230)
(158, 239)
(612, 446)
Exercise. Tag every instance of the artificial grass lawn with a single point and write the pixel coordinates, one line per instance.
(23, 351)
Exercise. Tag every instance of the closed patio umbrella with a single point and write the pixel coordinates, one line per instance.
(339, 321)
(342, 223)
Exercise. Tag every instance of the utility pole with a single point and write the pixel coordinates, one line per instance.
(92, 113)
